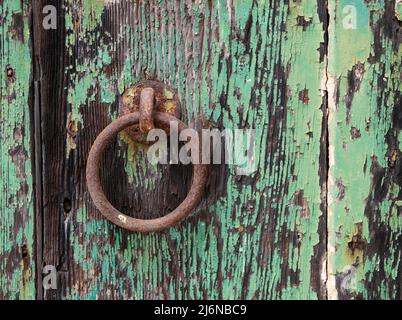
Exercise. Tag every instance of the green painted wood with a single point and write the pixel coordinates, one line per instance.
(365, 177)
(321, 216)
(236, 64)
(17, 268)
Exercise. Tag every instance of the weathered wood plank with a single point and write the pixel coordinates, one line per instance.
(365, 178)
(235, 63)
(48, 54)
(17, 267)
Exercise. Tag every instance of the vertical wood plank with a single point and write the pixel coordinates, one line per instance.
(365, 178)
(17, 264)
(238, 64)
(49, 53)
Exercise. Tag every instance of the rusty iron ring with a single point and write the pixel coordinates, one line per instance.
(106, 208)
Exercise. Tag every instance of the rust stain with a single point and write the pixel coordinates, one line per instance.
(393, 159)
(72, 129)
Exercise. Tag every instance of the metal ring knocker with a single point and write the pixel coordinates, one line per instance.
(145, 119)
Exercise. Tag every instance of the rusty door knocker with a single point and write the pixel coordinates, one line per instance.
(143, 106)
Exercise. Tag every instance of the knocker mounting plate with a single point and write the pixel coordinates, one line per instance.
(165, 100)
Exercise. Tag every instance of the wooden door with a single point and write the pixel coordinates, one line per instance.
(319, 81)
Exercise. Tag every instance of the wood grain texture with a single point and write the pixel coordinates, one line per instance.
(17, 267)
(48, 55)
(319, 218)
(236, 64)
(365, 178)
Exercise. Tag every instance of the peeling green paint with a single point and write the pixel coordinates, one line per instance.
(238, 64)
(211, 262)
(17, 269)
(366, 81)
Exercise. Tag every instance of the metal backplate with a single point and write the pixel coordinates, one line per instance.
(166, 101)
